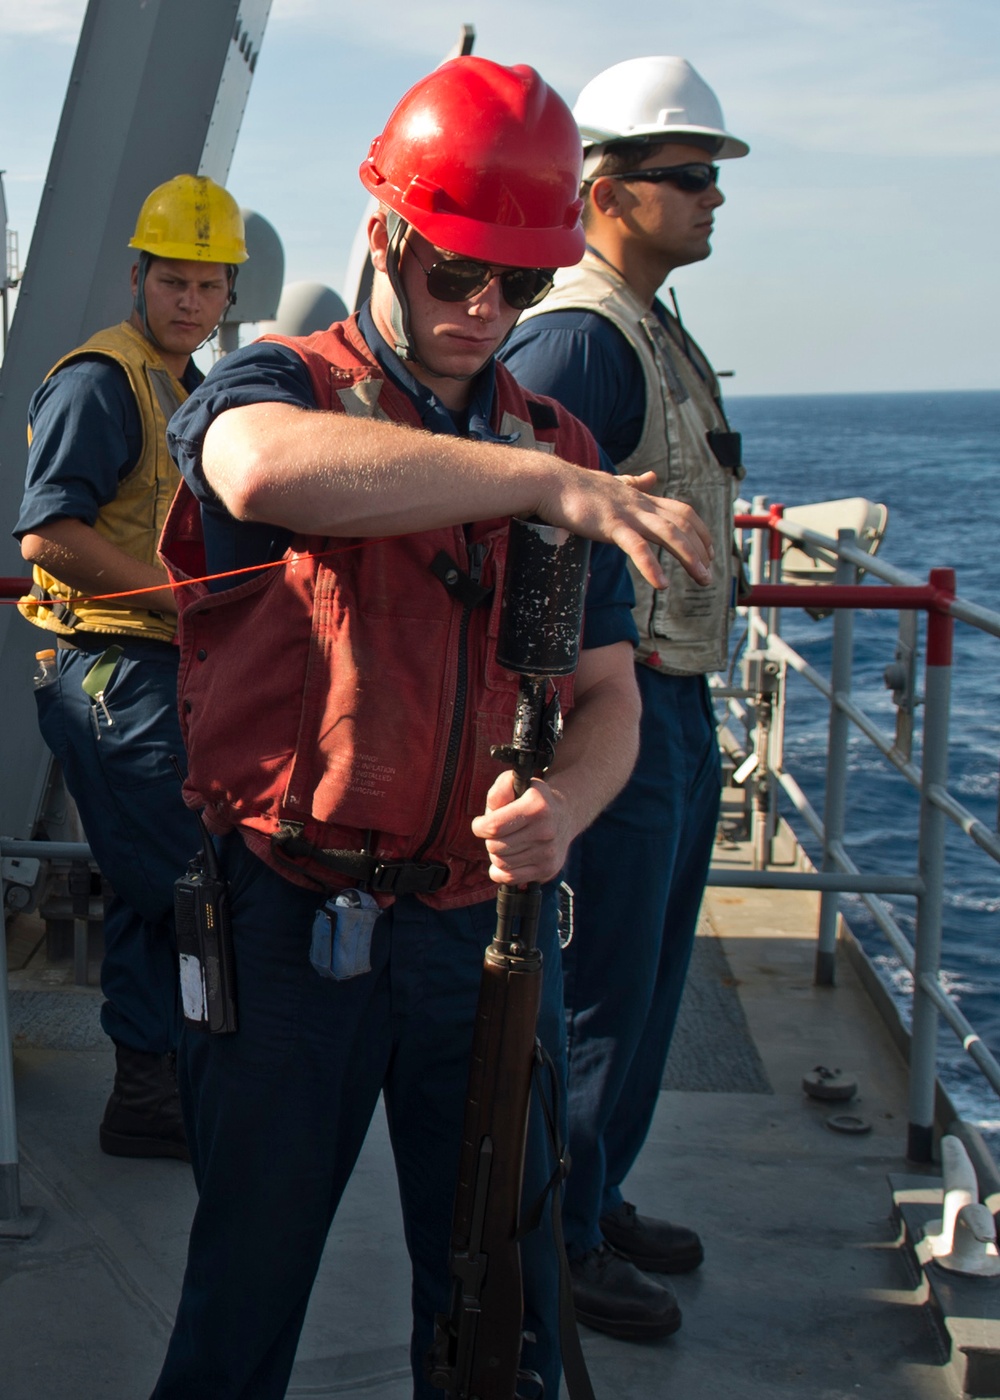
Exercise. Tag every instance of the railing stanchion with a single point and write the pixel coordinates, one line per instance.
(16, 1222)
(759, 556)
(10, 1194)
(930, 867)
(836, 769)
(775, 548)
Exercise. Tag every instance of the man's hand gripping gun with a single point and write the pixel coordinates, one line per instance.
(477, 1347)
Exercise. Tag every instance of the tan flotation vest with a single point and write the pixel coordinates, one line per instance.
(134, 519)
(683, 629)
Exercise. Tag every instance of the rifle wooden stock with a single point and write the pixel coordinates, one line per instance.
(477, 1346)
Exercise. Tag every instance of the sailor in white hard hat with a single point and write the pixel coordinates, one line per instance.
(606, 347)
(656, 99)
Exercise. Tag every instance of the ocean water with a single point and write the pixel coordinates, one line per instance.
(934, 460)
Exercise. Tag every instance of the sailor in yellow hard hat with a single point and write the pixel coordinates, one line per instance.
(99, 483)
(190, 219)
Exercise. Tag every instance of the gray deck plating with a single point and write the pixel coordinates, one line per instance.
(806, 1291)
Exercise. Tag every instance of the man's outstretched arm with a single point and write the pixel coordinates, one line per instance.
(74, 553)
(328, 473)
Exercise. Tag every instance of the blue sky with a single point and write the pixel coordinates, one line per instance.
(858, 247)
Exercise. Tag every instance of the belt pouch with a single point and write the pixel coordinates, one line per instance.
(342, 935)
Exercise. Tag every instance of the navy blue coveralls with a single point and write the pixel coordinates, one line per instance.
(639, 871)
(86, 435)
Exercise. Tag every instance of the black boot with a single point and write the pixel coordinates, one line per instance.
(611, 1295)
(651, 1244)
(143, 1115)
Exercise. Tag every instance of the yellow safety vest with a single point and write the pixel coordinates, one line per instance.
(134, 519)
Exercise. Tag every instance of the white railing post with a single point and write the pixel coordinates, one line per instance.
(835, 805)
(752, 669)
(757, 565)
(772, 683)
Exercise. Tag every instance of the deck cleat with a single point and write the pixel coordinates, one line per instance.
(974, 1247)
(961, 1189)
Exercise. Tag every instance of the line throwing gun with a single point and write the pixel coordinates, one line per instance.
(477, 1346)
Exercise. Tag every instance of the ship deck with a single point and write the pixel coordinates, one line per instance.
(806, 1290)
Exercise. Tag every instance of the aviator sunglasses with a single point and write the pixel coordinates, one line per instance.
(693, 178)
(460, 279)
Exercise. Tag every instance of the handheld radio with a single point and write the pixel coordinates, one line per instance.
(205, 943)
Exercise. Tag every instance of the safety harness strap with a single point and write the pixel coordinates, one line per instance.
(61, 611)
(396, 877)
(575, 1373)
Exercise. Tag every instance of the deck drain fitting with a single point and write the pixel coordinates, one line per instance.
(829, 1084)
(847, 1123)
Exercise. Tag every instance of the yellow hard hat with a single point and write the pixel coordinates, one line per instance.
(191, 217)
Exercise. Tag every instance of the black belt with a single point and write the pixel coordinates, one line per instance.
(395, 877)
(100, 641)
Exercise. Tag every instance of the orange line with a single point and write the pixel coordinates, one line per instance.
(188, 582)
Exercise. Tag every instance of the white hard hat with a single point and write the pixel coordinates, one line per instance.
(649, 97)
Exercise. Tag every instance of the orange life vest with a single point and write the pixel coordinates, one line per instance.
(340, 709)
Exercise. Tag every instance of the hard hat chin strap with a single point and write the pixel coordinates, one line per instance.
(399, 313)
(233, 271)
(140, 298)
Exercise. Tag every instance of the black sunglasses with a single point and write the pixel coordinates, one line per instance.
(694, 178)
(460, 279)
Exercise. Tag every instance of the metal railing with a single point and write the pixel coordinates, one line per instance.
(16, 1221)
(765, 666)
(760, 701)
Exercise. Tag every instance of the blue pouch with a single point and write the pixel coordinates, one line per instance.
(342, 935)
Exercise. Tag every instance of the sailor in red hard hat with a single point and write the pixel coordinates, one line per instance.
(339, 707)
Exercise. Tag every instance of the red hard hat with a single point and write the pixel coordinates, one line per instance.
(484, 161)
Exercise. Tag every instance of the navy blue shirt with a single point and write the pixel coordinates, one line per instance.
(270, 373)
(86, 436)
